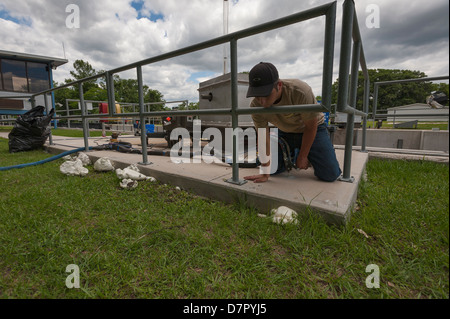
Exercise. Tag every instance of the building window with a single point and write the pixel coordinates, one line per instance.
(38, 77)
(21, 76)
(14, 76)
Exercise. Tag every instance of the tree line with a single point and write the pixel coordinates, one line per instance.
(126, 90)
(393, 95)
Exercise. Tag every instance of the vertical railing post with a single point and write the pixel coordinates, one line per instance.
(365, 110)
(83, 119)
(345, 55)
(67, 112)
(375, 103)
(351, 116)
(328, 56)
(50, 137)
(343, 94)
(52, 94)
(111, 94)
(141, 116)
(234, 116)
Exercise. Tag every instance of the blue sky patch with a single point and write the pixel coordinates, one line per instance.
(156, 16)
(138, 5)
(6, 16)
(194, 77)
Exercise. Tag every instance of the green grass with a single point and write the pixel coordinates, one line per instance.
(77, 133)
(420, 126)
(64, 132)
(157, 242)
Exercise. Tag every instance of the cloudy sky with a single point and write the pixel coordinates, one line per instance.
(410, 34)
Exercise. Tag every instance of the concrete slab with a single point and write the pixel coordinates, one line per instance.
(299, 190)
(403, 154)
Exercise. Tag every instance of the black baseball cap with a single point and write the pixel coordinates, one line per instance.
(262, 78)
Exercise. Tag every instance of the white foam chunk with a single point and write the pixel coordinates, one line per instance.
(73, 168)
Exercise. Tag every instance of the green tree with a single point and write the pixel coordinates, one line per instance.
(191, 106)
(155, 96)
(62, 94)
(82, 70)
(96, 93)
(393, 94)
(125, 90)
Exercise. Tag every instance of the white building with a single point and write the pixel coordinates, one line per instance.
(419, 111)
(23, 74)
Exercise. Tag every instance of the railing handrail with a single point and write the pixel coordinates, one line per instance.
(351, 57)
(350, 32)
(274, 24)
(376, 85)
(435, 78)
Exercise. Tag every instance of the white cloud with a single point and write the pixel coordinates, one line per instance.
(111, 35)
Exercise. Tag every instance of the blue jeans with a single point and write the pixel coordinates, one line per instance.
(321, 156)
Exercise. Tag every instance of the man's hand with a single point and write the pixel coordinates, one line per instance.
(302, 163)
(258, 178)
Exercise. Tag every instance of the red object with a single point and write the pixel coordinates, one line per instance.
(103, 109)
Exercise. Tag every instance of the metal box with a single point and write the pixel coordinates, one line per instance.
(216, 94)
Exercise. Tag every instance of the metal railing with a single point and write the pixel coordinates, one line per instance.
(350, 32)
(147, 107)
(352, 54)
(376, 86)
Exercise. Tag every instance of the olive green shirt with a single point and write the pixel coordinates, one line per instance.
(294, 92)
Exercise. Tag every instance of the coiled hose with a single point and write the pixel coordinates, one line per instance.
(6, 168)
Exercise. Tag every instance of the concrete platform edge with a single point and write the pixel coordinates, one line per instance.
(217, 189)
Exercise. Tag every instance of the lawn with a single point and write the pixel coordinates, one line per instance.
(157, 242)
(77, 133)
(420, 126)
(65, 132)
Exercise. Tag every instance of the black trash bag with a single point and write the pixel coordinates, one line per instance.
(30, 130)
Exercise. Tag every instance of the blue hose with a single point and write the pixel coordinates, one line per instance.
(6, 168)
